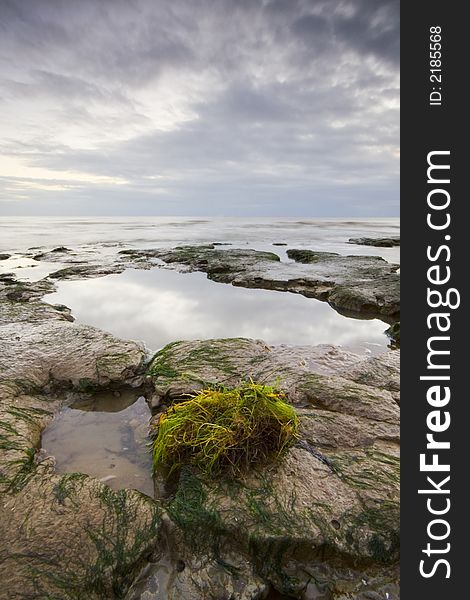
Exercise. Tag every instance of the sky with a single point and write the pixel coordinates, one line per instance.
(199, 107)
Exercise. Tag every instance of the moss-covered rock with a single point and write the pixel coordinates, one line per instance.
(70, 537)
(382, 242)
(327, 515)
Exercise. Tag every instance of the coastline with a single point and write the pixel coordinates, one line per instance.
(348, 408)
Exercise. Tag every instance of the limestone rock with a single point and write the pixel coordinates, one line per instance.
(63, 536)
(365, 285)
(71, 537)
(360, 286)
(328, 513)
(384, 242)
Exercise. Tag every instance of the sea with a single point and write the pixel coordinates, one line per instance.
(328, 234)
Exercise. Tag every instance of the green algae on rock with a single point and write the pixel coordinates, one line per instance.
(383, 242)
(327, 515)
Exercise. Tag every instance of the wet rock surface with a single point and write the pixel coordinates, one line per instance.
(325, 516)
(388, 242)
(322, 523)
(360, 285)
(63, 536)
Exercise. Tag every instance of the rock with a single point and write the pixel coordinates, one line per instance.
(11, 289)
(57, 352)
(54, 255)
(72, 536)
(393, 333)
(321, 521)
(4, 256)
(66, 535)
(385, 242)
(84, 271)
(358, 285)
(29, 312)
(309, 257)
(199, 578)
(303, 371)
(7, 278)
(315, 592)
(382, 370)
(329, 511)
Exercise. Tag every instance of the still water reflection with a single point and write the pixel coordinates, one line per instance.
(160, 306)
(105, 437)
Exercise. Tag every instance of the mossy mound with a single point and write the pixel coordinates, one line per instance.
(225, 430)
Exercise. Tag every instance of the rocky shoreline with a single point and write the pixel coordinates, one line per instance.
(322, 524)
(359, 286)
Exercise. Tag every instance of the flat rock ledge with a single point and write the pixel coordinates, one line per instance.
(361, 286)
(358, 286)
(384, 242)
(62, 536)
(323, 522)
(320, 524)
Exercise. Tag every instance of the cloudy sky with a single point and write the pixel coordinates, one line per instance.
(199, 107)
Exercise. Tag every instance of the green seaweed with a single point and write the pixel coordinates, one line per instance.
(29, 414)
(201, 525)
(8, 427)
(160, 364)
(383, 541)
(25, 469)
(367, 469)
(120, 543)
(66, 487)
(225, 430)
(8, 444)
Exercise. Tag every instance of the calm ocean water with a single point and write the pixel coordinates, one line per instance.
(20, 233)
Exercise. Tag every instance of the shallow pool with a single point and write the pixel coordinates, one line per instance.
(160, 306)
(104, 436)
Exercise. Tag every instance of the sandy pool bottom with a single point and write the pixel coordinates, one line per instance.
(105, 436)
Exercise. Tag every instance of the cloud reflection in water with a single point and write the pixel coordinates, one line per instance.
(160, 306)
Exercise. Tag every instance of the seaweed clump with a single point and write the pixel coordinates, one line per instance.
(225, 430)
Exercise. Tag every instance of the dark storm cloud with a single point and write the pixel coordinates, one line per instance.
(370, 27)
(187, 107)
